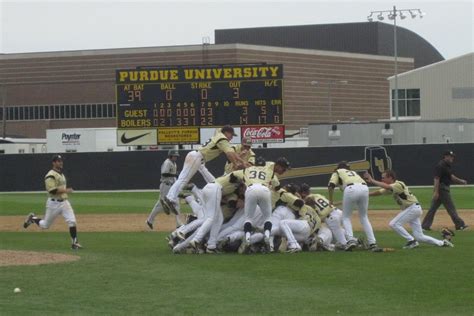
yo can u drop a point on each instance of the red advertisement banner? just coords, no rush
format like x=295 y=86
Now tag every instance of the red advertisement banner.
x=264 y=134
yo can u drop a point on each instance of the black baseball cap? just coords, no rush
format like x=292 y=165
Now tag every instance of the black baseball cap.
x=449 y=153
x=282 y=161
x=57 y=158
x=228 y=129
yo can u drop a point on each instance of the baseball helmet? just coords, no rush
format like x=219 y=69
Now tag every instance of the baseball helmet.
x=282 y=161
x=260 y=161
x=228 y=129
x=304 y=188
x=57 y=158
x=292 y=188
x=173 y=152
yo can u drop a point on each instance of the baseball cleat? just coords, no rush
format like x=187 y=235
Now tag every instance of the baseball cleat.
x=329 y=247
x=244 y=247
x=149 y=224
x=29 y=220
x=447 y=243
x=171 y=206
x=462 y=227
x=293 y=250
x=76 y=246
x=351 y=244
x=165 y=206
x=375 y=248
x=197 y=247
x=268 y=247
x=212 y=251
x=411 y=244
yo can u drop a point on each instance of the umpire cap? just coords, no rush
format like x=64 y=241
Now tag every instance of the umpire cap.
x=228 y=129
x=282 y=161
x=57 y=158
x=449 y=153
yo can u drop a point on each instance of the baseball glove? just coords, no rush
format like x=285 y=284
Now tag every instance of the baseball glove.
x=447 y=233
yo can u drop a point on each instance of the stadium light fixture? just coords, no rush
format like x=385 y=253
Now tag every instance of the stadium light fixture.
x=392 y=15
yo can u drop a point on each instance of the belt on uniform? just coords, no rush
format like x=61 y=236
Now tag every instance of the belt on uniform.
x=57 y=200
x=349 y=184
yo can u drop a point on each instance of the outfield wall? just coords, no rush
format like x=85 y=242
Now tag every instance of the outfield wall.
x=141 y=170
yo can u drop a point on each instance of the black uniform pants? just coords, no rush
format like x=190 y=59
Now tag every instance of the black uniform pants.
x=445 y=199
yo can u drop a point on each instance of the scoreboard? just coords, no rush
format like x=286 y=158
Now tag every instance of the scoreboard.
x=177 y=100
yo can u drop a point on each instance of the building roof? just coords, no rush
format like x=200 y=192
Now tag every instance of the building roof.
x=375 y=38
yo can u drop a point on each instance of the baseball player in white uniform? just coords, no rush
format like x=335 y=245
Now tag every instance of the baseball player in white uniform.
x=57 y=203
x=169 y=173
x=329 y=214
x=299 y=230
x=213 y=194
x=195 y=161
x=355 y=193
x=244 y=150
x=411 y=210
x=260 y=180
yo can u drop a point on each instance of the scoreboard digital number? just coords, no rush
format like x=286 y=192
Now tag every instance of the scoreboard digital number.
x=199 y=96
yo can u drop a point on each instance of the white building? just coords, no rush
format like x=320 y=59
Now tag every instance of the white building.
x=440 y=91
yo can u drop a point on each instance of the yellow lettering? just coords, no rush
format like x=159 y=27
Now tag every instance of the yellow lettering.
x=199 y=74
x=174 y=74
x=167 y=86
x=247 y=72
x=123 y=75
x=227 y=73
x=133 y=75
x=144 y=75
x=274 y=71
x=217 y=72
x=135 y=113
x=154 y=75
x=188 y=74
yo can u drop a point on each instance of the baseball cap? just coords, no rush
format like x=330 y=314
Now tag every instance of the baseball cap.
x=228 y=129
x=305 y=188
x=449 y=153
x=282 y=161
x=57 y=158
x=173 y=152
x=246 y=141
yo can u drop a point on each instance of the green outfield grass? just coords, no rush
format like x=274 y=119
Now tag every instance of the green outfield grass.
x=135 y=273
x=142 y=202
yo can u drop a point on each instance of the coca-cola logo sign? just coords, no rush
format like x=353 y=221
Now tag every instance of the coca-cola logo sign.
x=264 y=134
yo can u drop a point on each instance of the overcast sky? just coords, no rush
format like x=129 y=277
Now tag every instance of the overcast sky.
x=37 y=26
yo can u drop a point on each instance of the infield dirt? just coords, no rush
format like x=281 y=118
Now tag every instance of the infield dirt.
x=136 y=222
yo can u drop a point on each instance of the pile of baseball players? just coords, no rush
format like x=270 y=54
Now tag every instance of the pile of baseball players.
x=248 y=211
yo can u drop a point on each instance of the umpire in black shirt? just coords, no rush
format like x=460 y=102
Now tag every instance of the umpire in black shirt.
x=443 y=177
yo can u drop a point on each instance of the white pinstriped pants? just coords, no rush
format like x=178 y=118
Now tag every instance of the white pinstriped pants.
x=193 y=163
x=412 y=215
x=357 y=195
x=53 y=209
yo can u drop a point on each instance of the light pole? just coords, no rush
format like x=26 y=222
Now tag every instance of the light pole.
x=392 y=15
x=330 y=84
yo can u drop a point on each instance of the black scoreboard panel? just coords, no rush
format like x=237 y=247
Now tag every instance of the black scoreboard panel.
x=199 y=96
